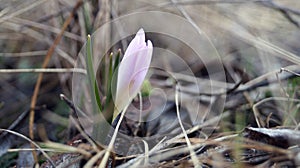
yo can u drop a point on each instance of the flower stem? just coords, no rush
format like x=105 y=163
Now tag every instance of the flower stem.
x=112 y=141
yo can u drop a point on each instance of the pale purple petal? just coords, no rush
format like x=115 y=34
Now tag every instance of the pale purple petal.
x=133 y=69
x=141 y=68
x=144 y=58
x=137 y=43
x=126 y=69
x=137 y=81
x=141 y=36
x=130 y=56
x=130 y=59
x=139 y=74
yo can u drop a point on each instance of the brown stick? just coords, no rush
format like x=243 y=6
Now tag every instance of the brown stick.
x=40 y=77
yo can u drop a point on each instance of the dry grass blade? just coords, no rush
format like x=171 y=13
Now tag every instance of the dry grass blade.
x=140 y=158
x=94 y=159
x=44 y=70
x=162 y=144
x=48 y=28
x=66 y=148
x=77 y=124
x=15 y=123
x=143 y=158
x=272 y=47
x=24 y=54
x=146 y=160
x=29 y=149
x=265 y=76
x=257 y=114
x=35 y=35
x=32 y=142
x=192 y=152
x=289 y=71
x=32 y=5
x=95 y=147
x=40 y=76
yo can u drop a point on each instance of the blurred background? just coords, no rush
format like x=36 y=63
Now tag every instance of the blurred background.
x=253 y=39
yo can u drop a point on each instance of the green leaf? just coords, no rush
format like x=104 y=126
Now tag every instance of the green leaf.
x=87 y=17
x=117 y=60
x=96 y=100
x=112 y=75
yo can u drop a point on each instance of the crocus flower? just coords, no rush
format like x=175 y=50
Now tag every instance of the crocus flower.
x=133 y=69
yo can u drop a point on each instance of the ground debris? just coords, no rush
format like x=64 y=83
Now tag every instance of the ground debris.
x=283 y=138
